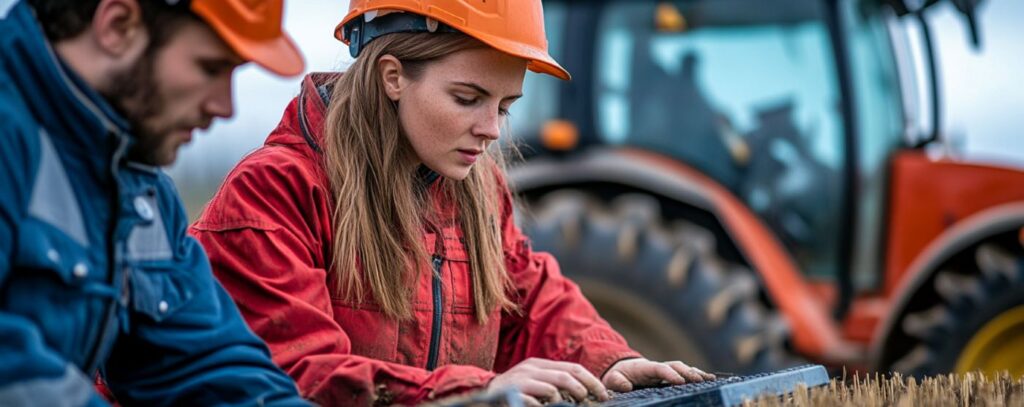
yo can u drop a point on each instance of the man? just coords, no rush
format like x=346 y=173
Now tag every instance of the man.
x=96 y=271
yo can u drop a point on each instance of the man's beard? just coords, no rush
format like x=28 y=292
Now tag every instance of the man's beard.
x=135 y=95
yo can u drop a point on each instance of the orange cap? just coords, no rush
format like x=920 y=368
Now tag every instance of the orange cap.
x=253 y=29
x=515 y=27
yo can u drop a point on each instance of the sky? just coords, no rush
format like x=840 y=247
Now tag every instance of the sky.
x=983 y=91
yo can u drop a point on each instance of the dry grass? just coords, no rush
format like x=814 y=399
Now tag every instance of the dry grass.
x=972 y=389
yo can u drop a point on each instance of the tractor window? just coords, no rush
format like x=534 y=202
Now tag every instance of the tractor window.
x=742 y=90
x=880 y=126
x=540 y=92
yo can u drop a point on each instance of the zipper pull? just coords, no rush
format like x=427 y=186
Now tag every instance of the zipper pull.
x=436 y=260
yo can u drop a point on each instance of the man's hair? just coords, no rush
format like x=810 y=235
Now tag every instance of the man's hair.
x=64 y=19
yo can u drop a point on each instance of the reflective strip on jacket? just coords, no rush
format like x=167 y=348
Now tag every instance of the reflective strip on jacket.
x=96 y=269
x=268 y=233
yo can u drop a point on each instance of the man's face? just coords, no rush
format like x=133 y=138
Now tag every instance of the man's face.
x=174 y=89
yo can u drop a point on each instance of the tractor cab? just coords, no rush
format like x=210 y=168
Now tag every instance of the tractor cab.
x=743 y=184
x=794 y=106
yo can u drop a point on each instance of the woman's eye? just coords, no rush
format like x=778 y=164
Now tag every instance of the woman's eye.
x=503 y=112
x=465 y=102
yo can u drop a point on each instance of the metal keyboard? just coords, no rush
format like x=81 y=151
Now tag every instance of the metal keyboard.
x=724 y=392
x=730 y=391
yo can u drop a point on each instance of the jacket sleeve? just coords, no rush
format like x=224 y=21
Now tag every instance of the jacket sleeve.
x=554 y=320
x=269 y=251
x=30 y=371
x=199 y=354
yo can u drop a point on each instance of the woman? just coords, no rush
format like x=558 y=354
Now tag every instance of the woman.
x=371 y=243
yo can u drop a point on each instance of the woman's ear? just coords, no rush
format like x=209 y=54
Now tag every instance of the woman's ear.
x=391 y=75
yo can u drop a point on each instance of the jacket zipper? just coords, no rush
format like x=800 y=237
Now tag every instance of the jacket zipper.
x=92 y=362
x=435 y=334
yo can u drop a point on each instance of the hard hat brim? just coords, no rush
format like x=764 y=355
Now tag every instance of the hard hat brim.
x=537 y=60
x=277 y=54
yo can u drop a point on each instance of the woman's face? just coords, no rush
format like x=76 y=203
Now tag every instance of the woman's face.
x=456 y=107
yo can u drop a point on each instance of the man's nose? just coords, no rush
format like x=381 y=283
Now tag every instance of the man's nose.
x=220 y=102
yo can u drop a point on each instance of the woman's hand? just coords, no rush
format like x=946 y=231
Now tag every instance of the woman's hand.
x=626 y=374
x=543 y=380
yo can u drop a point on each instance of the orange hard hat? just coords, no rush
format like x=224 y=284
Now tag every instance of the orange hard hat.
x=515 y=27
x=253 y=29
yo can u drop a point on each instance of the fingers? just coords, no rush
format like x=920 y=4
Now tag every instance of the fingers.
x=616 y=381
x=643 y=372
x=706 y=375
x=563 y=380
x=580 y=375
x=539 y=390
x=691 y=374
x=662 y=372
x=548 y=381
x=531 y=401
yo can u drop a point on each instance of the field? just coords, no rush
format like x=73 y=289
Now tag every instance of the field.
x=971 y=389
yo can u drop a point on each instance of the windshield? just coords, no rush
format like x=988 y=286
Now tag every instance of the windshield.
x=880 y=121
x=743 y=90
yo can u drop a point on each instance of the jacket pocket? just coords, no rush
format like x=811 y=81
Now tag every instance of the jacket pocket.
x=53 y=284
x=159 y=293
x=457 y=272
x=49 y=253
x=469 y=342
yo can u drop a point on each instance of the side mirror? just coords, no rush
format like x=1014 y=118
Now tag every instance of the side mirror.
x=967 y=8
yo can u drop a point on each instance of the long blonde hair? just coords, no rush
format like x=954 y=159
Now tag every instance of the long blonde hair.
x=378 y=201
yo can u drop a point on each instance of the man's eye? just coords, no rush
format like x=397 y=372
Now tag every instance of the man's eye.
x=212 y=69
x=209 y=70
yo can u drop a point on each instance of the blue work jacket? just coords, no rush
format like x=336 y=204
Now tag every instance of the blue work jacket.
x=97 y=273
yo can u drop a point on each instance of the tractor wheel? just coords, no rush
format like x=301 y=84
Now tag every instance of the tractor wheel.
x=978 y=322
x=665 y=289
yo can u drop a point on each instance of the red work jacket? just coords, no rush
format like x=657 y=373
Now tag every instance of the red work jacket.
x=268 y=233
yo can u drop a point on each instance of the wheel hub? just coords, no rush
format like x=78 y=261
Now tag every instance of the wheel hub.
x=997 y=346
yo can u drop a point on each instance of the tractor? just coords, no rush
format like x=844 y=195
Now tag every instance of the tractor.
x=747 y=184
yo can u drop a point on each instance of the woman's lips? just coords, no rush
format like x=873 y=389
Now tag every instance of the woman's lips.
x=469 y=156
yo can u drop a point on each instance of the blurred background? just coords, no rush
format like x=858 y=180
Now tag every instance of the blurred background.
x=749 y=184
x=984 y=95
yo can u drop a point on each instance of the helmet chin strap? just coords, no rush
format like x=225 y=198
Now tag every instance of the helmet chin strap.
x=361 y=31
